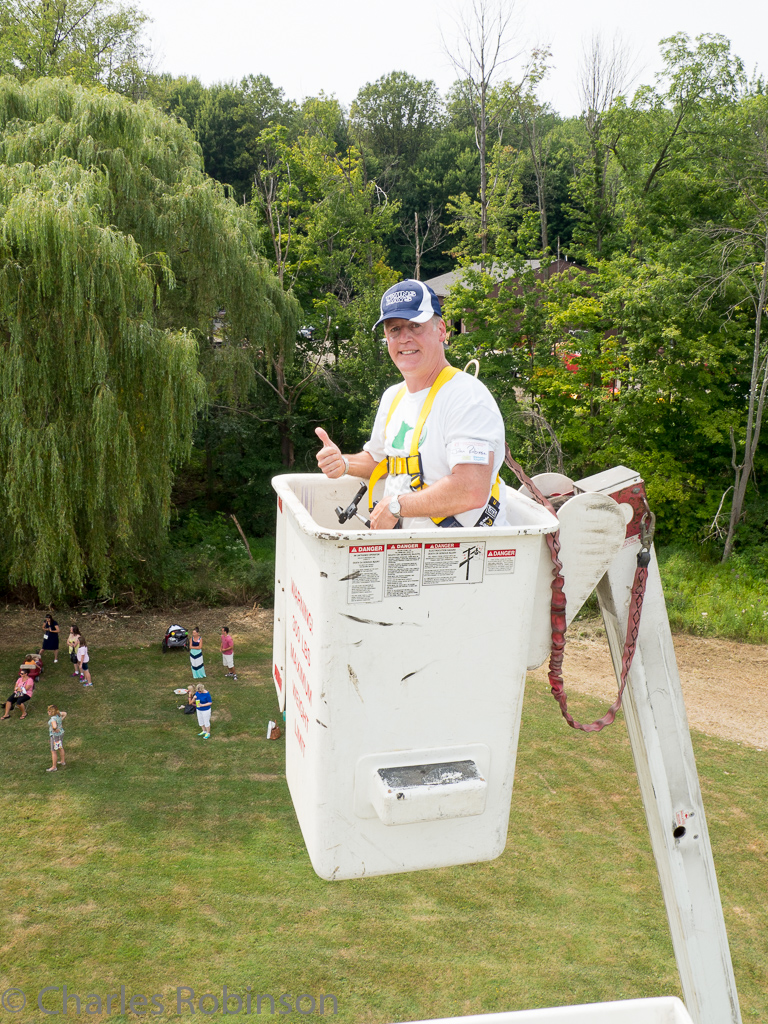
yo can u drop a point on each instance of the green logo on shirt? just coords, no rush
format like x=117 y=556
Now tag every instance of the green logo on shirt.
x=399 y=440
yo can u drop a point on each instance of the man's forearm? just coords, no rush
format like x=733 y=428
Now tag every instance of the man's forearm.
x=465 y=488
x=362 y=464
x=448 y=496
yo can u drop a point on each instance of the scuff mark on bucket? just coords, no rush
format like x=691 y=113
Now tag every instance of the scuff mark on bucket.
x=355 y=682
x=366 y=622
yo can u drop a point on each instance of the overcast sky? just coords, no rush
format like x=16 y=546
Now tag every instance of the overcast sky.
x=306 y=46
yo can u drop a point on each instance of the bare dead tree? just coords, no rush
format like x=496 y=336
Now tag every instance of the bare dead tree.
x=533 y=116
x=244 y=539
x=266 y=182
x=426 y=234
x=716 y=530
x=485 y=32
x=606 y=71
x=546 y=450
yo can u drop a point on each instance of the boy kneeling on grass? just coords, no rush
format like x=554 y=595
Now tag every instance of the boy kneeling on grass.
x=56 y=733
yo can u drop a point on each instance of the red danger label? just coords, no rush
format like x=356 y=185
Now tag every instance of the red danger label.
x=441 y=546
x=502 y=553
x=361 y=549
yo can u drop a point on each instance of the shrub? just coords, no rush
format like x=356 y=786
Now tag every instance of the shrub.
x=710 y=599
x=203 y=561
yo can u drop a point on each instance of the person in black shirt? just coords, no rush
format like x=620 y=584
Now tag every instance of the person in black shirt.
x=51 y=637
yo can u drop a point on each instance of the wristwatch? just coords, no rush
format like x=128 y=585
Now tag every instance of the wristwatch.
x=394 y=508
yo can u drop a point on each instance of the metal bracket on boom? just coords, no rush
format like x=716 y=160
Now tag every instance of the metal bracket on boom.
x=350 y=512
x=647 y=529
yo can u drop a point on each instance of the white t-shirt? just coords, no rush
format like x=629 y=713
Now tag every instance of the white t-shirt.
x=464 y=425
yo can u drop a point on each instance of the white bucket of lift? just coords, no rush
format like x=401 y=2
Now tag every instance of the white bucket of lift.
x=400 y=660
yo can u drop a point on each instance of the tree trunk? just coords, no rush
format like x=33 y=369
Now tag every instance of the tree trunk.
x=741 y=478
x=417 y=271
x=286 y=444
x=757 y=393
x=284 y=424
x=542 y=213
x=208 y=466
x=482 y=131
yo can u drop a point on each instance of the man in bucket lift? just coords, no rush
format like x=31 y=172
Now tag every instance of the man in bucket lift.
x=439 y=437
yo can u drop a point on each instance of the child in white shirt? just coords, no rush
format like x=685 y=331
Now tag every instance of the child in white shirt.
x=82 y=662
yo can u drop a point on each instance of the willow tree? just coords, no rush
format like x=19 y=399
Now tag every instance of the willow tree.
x=116 y=251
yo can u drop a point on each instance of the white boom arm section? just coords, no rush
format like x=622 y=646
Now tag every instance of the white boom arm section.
x=661 y=746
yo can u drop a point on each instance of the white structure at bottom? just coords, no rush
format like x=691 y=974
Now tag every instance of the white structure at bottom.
x=665 y=1010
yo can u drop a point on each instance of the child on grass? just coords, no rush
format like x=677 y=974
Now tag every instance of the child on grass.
x=191 y=706
x=34 y=663
x=56 y=734
x=82 y=663
x=73 y=642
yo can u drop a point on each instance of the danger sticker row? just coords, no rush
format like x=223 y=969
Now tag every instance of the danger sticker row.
x=401 y=570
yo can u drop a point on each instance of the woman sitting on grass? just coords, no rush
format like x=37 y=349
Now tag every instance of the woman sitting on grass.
x=22 y=691
x=191 y=706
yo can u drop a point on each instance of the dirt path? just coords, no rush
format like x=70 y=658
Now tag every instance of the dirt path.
x=725 y=684
x=22 y=628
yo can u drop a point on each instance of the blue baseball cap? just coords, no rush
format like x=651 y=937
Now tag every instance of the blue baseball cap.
x=409 y=300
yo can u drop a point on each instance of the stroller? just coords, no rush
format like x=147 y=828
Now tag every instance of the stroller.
x=176 y=636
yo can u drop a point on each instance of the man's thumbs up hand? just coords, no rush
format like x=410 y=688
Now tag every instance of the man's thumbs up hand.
x=329 y=458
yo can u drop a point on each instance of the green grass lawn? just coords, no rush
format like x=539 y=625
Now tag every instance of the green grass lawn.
x=157 y=860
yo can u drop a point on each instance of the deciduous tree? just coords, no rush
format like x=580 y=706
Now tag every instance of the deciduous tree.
x=396 y=118
x=115 y=252
x=226 y=118
x=87 y=40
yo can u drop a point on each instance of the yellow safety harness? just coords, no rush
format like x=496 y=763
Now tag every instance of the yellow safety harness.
x=410 y=465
